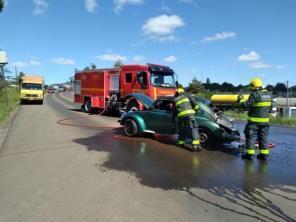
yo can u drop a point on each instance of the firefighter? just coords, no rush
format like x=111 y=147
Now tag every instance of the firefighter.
x=187 y=125
x=259 y=107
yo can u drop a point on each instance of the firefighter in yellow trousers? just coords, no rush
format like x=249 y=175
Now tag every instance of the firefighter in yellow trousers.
x=259 y=107
x=187 y=125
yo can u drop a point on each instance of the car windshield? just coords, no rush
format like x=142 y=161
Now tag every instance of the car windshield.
x=145 y=100
x=34 y=86
x=163 y=79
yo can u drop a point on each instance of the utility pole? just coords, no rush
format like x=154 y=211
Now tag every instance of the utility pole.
x=16 y=75
x=287 y=104
x=4 y=84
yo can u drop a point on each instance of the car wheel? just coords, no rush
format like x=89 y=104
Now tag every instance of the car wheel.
x=130 y=127
x=132 y=105
x=206 y=137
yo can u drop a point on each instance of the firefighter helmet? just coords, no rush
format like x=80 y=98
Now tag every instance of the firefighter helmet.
x=256 y=83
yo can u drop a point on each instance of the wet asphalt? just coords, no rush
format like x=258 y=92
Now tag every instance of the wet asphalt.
x=216 y=178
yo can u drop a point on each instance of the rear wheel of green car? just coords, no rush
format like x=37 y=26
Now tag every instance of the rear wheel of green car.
x=130 y=127
x=206 y=137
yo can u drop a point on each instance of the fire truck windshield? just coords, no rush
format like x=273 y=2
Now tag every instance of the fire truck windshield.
x=163 y=79
x=33 y=86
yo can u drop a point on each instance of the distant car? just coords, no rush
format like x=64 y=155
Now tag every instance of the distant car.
x=61 y=89
x=157 y=116
x=50 y=90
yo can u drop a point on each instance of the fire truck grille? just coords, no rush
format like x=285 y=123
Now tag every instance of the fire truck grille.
x=31 y=95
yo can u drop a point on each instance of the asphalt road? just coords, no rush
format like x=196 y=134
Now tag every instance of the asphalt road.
x=83 y=169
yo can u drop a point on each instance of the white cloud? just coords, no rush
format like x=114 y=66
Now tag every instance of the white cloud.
x=251 y=56
x=219 y=36
x=119 y=4
x=171 y=59
x=21 y=64
x=40 y=6
x=162 y=27
x=90 y=5
x=165 y=8
x=280 y=67
x=258 y=65
x=63 y=61
x=138 y=58
x=192 y=2
x=111 y=57
x=33 y=62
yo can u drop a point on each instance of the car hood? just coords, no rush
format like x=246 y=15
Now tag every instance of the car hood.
x=225 y=121
x=145 y=100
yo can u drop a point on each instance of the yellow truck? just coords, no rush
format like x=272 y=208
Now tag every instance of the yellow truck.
x=32 y=89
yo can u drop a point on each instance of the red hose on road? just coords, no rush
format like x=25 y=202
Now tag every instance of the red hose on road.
x=270 y=145
x=116 y=137
x=62 y=122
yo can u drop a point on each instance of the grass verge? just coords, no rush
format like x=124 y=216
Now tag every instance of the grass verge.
x=285 y=121
x=8 y=103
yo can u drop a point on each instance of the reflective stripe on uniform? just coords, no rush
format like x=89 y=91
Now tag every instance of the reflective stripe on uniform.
x=250 y=151
x=195 y=142
x=181 y=142
x=196 y=107
x=185 y=112
x=262 y=104
x=264 y=152
x=258 y=119
x=182 y=101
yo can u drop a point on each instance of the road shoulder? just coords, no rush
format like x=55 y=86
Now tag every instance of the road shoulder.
x=5 y=126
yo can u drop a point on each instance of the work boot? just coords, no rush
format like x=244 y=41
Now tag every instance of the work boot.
x=246 y=156
x=181 y=143
x=262 y=157
x=196 y=148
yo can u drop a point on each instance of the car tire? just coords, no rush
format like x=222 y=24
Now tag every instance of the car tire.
x=130 y=128
x=41 y=102
x=206 y=137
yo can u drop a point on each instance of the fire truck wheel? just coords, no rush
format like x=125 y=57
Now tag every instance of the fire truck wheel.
x=132 y=105
x=130 y=127
x=87 y=106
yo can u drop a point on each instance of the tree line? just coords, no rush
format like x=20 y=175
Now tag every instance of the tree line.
x=208 y=88
x=1 y=5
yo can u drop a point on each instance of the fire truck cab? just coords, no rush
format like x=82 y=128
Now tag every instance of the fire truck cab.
x=111 y=88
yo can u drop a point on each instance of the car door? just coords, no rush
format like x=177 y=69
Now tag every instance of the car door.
x=160 y=119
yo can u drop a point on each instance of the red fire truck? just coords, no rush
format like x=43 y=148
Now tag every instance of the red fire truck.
x=111 y=88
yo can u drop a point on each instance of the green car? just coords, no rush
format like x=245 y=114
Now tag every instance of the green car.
x=157 y=117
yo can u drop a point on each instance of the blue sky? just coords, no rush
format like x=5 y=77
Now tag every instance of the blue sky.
x=230 y=40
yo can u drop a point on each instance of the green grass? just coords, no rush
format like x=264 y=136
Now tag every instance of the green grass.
x=286 y=121
x=9 y=103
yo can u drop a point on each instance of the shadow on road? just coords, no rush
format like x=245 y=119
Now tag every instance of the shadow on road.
x=244 y=184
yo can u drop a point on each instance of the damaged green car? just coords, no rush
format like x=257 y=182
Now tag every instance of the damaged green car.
x=157 y=117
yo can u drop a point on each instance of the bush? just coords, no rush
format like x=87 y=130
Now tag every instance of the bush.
x=286 y=121
x=9 y=100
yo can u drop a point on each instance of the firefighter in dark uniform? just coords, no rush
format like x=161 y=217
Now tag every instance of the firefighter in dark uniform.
x=187 y=125
x=259 y=107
